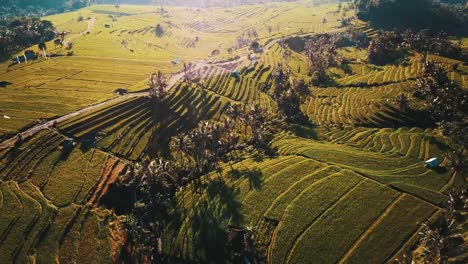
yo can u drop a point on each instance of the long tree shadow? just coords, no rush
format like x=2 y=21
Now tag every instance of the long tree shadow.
x=254 y=176
x=212 y=215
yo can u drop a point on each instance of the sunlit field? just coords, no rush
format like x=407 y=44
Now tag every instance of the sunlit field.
x=343 y=179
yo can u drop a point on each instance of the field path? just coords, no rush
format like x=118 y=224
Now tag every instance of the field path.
x=87 y=31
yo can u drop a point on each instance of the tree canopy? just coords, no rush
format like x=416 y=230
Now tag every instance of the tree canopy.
x=415 y=14
x=22 y=32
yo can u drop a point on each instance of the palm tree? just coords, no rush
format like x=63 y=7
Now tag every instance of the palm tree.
x=235 y=112
x=43 y=47
x=402 y=102
x=458 y=163
x=181 y=145
x=188 y=72
x=158 y=86
x=433 y=240
x=457 y=204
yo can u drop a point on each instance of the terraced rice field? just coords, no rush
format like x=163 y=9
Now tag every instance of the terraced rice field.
x=414 y=142
x=403 y=172
x=59 y=86
x=129 y=128
x=46 y=196
x=355 y=192
x=368 y=106
x=121 y=56
x=303 y=209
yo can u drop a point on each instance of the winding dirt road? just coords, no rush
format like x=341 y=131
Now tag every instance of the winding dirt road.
x=87 y=31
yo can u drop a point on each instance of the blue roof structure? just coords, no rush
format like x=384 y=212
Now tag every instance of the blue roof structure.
x=433 y=163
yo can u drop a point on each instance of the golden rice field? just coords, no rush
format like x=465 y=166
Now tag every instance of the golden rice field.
x=354 y=189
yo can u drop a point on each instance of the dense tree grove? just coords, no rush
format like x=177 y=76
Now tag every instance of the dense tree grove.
x=40 y=7
x=152 y=184
x=415 y=14
x=387 y=46
x=20 y=26
x=446 y=102
x=322 y=53
x=290 y=94
x=23 y=32
x=381 y=48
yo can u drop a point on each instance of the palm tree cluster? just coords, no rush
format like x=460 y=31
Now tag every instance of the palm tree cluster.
x=446 y=101
x=190 y=73
x=459 y=163
x=153 y=184
x=435 y=43
x=195 y=153
x=290 y=93
x=353 y=37
x=322 y=53
x=443 y=238
x=158 y=86
x=263 y=125
x=402 y=102
x=382 y=47
x=201 y=150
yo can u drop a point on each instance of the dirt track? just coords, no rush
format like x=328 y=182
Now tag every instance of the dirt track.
x=87 y=31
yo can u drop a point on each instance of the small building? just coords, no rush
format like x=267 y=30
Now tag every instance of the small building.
x=30 y=55
x=235 y=238
x=215 y=52
x=252 y=57
x=121 y=91
x=176 y=61
x=236 y=74
x=433 y=163
x=107 y=26
x=4 y=84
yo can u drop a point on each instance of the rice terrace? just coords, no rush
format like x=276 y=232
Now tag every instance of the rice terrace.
x=254 y=131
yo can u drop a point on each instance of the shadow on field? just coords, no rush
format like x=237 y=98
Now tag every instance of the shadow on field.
x=208 y=217
x=219 y=208
x=304 y=131
x=255 y=177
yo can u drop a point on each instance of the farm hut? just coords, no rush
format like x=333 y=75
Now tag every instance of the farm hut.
x=252 y=57
x=30 y=55
x=176 y=61
x=433 y=163
x=236 y=241
x=67 y=145
x=121 y=91
x=236 y=74
x=215 y=52
x=4 y=84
